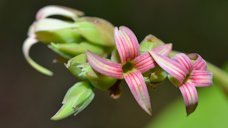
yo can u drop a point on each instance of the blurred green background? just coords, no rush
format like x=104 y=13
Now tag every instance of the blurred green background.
x=28 y=98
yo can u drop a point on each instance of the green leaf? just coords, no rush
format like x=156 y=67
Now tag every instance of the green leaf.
x=212 y=112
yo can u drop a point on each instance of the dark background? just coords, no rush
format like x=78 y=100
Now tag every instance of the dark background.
x=28 y=99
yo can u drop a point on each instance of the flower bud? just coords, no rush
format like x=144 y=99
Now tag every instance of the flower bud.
x=82 y=70
x=67 y=37
x=158 y=76
x=77 y=98
x=149 y=42
x=77 y=66
x=96 y=30
x=53 y=30
x=69 y=50
x=155 y=76
x=100 y=81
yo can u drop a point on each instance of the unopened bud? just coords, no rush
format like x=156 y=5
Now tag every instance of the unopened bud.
x=96 y=30
x=53 y=30
x=149 y=43
x=77 y=98
x=155 y=76
x=79 y=67
x=73 y=49
x=158 y=76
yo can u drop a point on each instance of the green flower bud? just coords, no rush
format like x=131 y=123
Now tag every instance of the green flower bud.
x=67 y=37
x=77 y=66
x=149 y=42
x=58 y=36
x=82 y=70
x=53 y=30
x=100 y=81
x=96 y=30
x=77 y=98
x=158 y=76
x=155 y=76
x=69 y=50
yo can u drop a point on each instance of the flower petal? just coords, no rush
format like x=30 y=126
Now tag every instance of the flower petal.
x=190 y=96
x=104 y=66
x=126 y=43
x=57 y=10
x=50 y=24
x=138 y=88
x=200 y=63
x=184 y=60
x=201 y=78
x=29 y=42
x=144 y=62
x=163 y=49
x=172 y=67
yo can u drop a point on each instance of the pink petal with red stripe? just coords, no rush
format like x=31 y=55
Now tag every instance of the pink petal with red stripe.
x=144 y=62
x=200 y=63
x=172 y=67
x=201 y=78
x=104 y=66
x=163 y=49
x=126 y=43
x=190 y=96
x=184 y=60
x=138 y=88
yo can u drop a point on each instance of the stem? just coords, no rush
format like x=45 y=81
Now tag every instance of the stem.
x=220 y=77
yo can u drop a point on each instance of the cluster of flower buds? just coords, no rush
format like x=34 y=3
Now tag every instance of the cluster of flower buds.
x=100 y=56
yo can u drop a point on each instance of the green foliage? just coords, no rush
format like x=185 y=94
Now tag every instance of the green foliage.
x=212 y=112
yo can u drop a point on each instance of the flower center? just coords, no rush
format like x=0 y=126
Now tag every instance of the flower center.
x=179 y=83
x=186 y=78
x=127 y=67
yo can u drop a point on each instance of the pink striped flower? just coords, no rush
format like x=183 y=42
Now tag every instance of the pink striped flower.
x=187 y=73
x=132 y=64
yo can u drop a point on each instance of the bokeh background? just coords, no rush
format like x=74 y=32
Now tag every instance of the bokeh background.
x=28 y=98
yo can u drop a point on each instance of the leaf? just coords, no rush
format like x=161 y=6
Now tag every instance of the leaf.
x=212 y=112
